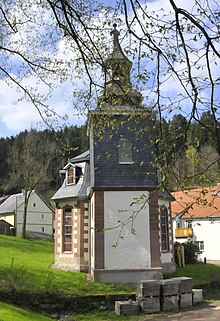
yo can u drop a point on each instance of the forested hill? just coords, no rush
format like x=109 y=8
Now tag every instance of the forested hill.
x=187 y=154
x=34 y=153
x=189 y=151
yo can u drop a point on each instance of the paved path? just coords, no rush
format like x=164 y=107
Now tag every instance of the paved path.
x=210 y=313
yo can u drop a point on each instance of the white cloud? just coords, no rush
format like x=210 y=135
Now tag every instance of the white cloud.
x=18 y=115
x=14 y=114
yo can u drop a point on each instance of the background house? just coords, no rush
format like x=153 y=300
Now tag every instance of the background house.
x=115 y=182
x=196 y=218
x=39 y=213
x=6 y=228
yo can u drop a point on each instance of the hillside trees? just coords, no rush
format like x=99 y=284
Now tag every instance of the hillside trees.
x=29 y=167
x=193 y=160
x=67 y=143
x=34 y=159
x=175 y=50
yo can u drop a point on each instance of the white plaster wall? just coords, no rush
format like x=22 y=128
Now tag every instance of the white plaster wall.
x=133 y=251
x=35 y=228
x=34 y=213
x=208 y=231
x=34 y=221
x=205 y=230
x=166 y=257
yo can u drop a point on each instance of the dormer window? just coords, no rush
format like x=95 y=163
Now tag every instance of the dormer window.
x=73 y=175
x=70 y=176
x=124 y=151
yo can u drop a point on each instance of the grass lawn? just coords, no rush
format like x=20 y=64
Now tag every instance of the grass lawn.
x=11 y=313
x=200 y=273
x=25 y=265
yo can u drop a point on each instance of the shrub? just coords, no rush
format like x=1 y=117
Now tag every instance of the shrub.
x=191 y=252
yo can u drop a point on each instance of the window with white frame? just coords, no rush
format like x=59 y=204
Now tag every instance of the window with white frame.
x=42 y=229
x=34 y=205
x=189 y=224
x=42 y=216
x=124 y=151
x=70 y=176
x=178 y=224
x=200 y=245
x=73 y=175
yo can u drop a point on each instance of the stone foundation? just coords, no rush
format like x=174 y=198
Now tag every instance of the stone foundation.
x=129 y=277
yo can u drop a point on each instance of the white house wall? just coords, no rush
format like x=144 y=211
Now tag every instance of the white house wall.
x=208 y=231
x=133 y=251
x=35 y=222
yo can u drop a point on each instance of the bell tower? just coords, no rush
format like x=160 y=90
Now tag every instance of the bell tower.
x=123 y=180
x=110 y=220
x=118 y=88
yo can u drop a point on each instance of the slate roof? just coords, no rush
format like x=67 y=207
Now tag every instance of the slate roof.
x=197 y=203
x=140 y=173
x=165 y=195
x=80 y=158
x=80 y=189
x=10 y=204
x=15 y=200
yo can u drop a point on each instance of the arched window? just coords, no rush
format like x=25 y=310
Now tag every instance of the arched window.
x=164 y=227
x=67 y=229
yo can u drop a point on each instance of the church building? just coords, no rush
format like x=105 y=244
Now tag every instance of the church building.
x=110 y=219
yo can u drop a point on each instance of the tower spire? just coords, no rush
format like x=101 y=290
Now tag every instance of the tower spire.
x=117 y=67
x=117 y=51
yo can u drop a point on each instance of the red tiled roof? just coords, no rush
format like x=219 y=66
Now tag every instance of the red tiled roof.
x=200 y=202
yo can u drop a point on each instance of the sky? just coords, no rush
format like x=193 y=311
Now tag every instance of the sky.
x=17 y=114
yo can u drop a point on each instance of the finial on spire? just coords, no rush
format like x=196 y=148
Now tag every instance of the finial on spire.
x=115 y=33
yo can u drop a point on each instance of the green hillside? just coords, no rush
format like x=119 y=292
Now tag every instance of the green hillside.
x=11 y=313
x=26 y=265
